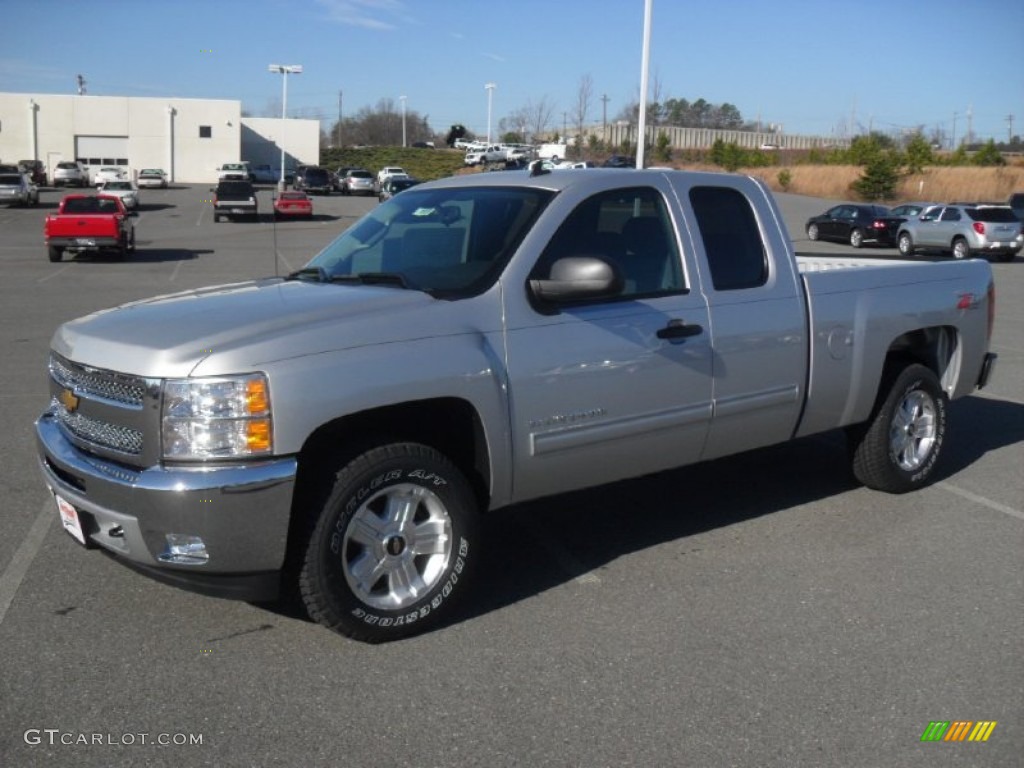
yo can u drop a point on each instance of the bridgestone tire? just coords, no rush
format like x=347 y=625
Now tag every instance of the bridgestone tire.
x=899 y=447
x=393 y=547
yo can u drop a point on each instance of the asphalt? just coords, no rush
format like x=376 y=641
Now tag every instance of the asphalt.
x=761 y=610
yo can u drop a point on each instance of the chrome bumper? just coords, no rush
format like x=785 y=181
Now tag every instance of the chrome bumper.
x=240 y=511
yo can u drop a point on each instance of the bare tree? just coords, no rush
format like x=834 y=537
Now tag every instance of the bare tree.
x=532 y=119
x=584 y=98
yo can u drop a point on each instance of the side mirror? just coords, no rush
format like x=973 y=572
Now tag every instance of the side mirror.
x=578 y=278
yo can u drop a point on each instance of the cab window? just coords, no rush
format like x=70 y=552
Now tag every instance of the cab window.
x=630 y=229
x=732 y=240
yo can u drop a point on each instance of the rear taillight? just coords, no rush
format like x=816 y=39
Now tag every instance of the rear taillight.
x=878 y=224
x=979 y=227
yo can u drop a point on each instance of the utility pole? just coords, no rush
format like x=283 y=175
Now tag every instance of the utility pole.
x=339 y=121
x=604 y=118
x=970 y=124
x=81 y=85
x=1009 y=130
x=952 y=141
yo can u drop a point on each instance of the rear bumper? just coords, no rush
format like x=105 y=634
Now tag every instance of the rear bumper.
x=240 y=512
x=83 y=241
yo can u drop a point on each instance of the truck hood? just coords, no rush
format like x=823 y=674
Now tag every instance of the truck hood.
x=244 y=326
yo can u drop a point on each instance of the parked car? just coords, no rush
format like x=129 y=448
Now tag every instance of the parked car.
x=107 y=173
x=357 y=181
x=36 y=171
x=264 y=173
x=1016 y=202
x=234 y=171
x=389 y=170
x=619 y=161
x=123 y=189
x=18 y=189
x=488 y=154
x=312 y=179
x=855 y=224
x=395 y=184
x=292 y=204
x=964 y=230
x=152 y=177
x=70 y=174
x=235 y=197
x=910 y=210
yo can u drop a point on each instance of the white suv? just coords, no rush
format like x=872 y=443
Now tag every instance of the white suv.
x=391 y=170
x=70 y=174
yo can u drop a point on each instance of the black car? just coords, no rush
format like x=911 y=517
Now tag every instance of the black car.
x=312 y=179
x=393 y=186
x=233 y=198
x=35 y=170
x=619 y=161
x=855 y=224
x=1017 y=204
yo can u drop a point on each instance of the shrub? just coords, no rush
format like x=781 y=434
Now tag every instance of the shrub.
x=879 y=179
x=785 y=179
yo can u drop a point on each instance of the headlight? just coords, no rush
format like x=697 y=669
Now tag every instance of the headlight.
x=222 y=417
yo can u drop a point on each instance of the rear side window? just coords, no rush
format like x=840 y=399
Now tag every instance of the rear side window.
x=731 y=237
x=992 y=215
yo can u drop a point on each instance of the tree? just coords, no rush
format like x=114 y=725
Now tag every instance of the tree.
x=988 y=155
x=879 y=179
x=918 y=153
x=584 y=97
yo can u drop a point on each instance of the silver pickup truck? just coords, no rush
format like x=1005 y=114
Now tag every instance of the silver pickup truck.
x=473 y=343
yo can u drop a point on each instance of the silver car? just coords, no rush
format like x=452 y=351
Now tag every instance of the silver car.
x=965 y=230
x=124 y=189
x=17 y=189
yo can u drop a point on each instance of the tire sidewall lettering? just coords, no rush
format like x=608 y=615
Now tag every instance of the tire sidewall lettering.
x=408 y=617
x=920 y=385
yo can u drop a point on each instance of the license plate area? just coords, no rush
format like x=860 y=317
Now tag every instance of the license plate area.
x=70 y=519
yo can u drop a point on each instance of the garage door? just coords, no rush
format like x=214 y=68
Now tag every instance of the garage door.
x=97 y=151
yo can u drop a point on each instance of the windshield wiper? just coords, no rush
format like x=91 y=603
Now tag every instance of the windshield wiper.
x=372 y=278
x=318 y=272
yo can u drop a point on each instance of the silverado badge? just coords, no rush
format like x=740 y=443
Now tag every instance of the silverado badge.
x=68 y=400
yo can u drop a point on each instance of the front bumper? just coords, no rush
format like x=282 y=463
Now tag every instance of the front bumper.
x=240 y=511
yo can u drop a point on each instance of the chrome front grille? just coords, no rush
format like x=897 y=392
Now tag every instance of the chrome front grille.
x=109 y=414
x=127 y=390
x=112 y=436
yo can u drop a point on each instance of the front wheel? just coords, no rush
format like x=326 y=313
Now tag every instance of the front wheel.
x=905 y=244
x=812 y=231
x=857 y=238
x=897 y=450
x=960 y=249
x=393 y=546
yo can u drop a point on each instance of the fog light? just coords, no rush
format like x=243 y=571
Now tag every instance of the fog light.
x=183 y=549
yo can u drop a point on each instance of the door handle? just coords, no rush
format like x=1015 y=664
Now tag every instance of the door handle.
x=678 y=329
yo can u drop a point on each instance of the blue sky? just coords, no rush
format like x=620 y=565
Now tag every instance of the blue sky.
x=814 y=67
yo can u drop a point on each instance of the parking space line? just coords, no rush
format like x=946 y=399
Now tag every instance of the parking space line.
x=54 y=274
x=12 y=577
x=1007 y=510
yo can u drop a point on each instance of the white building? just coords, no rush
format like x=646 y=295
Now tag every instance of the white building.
x=188 y=138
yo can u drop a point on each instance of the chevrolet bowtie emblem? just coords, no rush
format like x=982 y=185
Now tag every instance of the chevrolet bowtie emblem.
x=68 y=400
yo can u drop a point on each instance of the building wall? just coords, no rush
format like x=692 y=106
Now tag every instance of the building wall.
x=264 y=137
x=160 y=132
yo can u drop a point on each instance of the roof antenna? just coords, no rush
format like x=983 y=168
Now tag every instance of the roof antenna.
x=81 y=85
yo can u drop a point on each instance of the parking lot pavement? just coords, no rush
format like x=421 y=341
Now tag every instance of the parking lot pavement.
x=761 y=610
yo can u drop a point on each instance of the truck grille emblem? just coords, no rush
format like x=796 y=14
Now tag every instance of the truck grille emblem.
x=68 y=400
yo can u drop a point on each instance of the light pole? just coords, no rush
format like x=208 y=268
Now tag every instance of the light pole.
x=402 y=99
x=284 y=70
x=490 y=95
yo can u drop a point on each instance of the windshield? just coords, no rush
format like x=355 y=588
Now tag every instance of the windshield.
x=449 y=242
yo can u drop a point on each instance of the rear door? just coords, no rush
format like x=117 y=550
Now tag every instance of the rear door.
x=757 y=313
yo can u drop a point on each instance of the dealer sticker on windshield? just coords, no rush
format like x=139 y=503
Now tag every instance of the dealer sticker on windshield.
x=69 y=519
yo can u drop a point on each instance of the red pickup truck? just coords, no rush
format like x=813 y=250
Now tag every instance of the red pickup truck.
x=89 y=222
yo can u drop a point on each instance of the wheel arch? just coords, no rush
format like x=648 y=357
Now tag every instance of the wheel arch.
x=938 y=348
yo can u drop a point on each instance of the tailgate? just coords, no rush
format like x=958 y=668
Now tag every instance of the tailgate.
x=75 y=225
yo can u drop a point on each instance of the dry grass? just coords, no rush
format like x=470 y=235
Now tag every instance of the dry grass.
x=939 y=184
